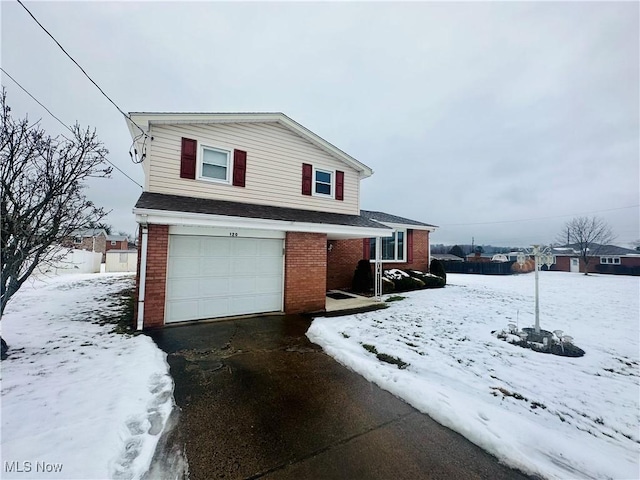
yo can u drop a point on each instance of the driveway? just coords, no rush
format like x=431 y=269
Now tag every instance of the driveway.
x=259 y=400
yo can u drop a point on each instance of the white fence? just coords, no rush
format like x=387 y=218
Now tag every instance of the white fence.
x=76 y=261
x=121 y=261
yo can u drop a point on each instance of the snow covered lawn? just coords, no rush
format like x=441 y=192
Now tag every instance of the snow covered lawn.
x=558 y=417
x=79 y=401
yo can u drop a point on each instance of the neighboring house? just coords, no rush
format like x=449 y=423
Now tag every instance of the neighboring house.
x=605 y=259
x=446 y=257
x=90 y=239
x=252 y=213
x=116 y=242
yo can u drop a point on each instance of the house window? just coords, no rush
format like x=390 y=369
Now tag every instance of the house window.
x=77 y=239
x=393 y=248
x=323 y=182
x=215 y=164
x=610 y=260
x=113 y=242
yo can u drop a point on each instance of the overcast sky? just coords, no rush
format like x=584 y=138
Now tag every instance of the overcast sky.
x=498 y=121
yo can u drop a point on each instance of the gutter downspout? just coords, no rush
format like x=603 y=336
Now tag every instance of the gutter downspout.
x=143 y=275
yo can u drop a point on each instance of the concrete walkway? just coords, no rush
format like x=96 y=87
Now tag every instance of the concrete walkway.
x=260 y=401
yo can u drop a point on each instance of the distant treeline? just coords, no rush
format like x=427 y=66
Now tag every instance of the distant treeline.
x=467 y=249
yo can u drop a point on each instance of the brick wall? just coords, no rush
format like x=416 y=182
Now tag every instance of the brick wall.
x=156 y=275
x=342 y=261
x=137 y=291
x=305 y=272
x=345 y=254
x=90 y=244
x=119 y=245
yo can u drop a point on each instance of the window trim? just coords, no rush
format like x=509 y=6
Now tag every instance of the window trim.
x=404 y=247
x=331 y=172
x=610 y=260
x=200 y=162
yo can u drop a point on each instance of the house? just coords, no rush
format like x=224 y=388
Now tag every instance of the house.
x=249 y=213
x=89 y=239
x=116 y=242
x=606 y=259
x=446 y=257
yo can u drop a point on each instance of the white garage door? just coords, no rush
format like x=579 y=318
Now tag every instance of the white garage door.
x=210 y=277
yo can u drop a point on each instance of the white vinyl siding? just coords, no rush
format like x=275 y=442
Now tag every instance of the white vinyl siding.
x=274 y=166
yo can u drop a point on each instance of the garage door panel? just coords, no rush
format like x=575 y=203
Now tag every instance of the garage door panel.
x=215 y=266
x=184 y=267
x=183 y=310
x=242 y=285
x=214 y=307
x=182 y=288
x=268 y=264
x=213 y=287
x=269 y=284
x=270 y=248
x=243 y=266
x=184 y=246
x=245 y=247
x=267 y=302
x=215 y=246
x=210 y=277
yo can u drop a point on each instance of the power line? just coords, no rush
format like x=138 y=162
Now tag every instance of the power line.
x=83 y=71
x=537 y=218
x=62 y=123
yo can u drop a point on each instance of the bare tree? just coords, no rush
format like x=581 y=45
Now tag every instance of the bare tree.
x=43 y=200
x=587 y=235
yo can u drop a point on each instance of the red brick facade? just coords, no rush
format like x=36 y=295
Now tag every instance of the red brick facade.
x=97 y=243
x=342 y=260
x=156 y=275
x=310 y=269
x=563 y=264
x=345 y=255
x=118 y=245
x=305 y=270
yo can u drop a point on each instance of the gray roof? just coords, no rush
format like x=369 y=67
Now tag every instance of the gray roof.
x=117 y=238
x=177 y=203
x=447 y=257
x=386 y=217
x=89 y=232
x=595 y=249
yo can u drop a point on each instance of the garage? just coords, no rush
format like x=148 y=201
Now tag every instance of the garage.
x=233 y=273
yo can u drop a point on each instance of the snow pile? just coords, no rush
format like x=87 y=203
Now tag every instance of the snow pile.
x=554 y=416
x=77 y=400
x=395 y=274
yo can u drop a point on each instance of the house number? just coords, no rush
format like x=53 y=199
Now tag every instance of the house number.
x=233 y=234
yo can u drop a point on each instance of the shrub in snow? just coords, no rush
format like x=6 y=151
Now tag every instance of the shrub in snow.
x=429 y=280
x=437 y=268
x=402 y=281
x=362 y=277
x=529 y=266
x=387 y=285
